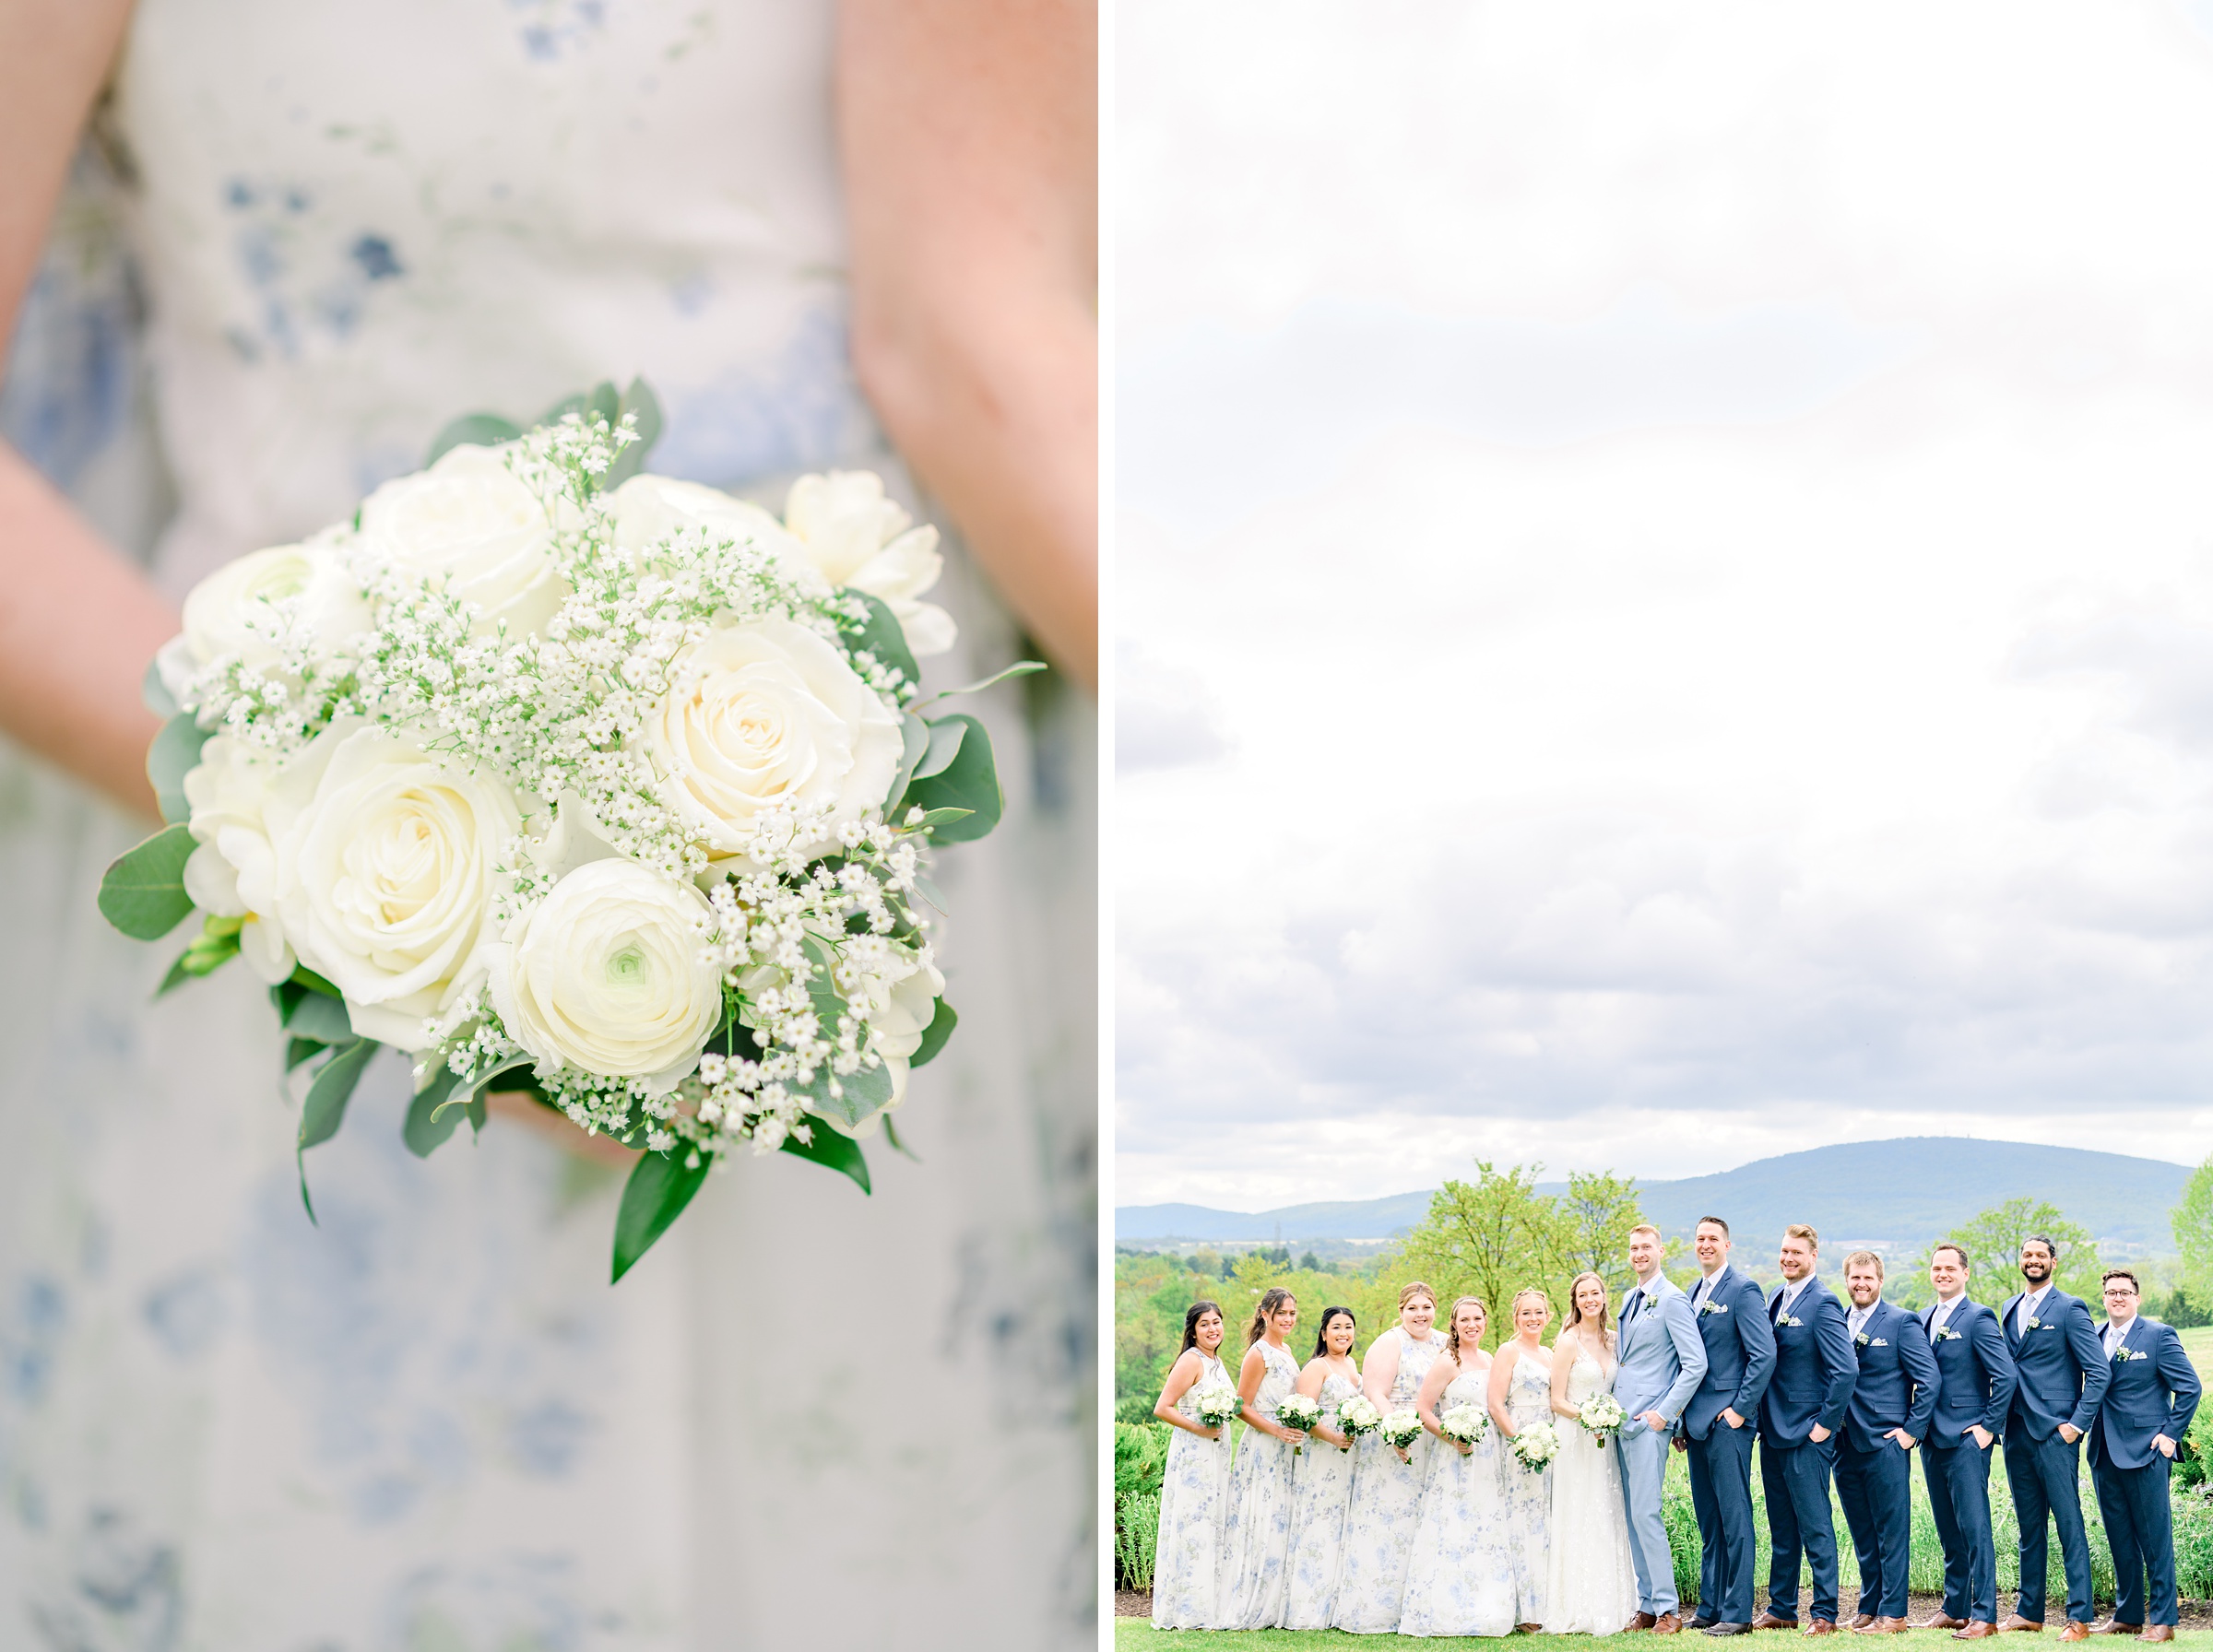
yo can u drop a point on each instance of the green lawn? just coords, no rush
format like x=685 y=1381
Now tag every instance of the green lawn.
x=1136 y=1632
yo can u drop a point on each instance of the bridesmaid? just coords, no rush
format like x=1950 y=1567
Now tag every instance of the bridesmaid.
x=1460 y=1578
x=1387 y=1481
x=1195 y=1485
x=1255 y=1533
x=1322 y=1477
x=1521 y=1396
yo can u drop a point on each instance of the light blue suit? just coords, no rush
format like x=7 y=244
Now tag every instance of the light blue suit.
x=1662 y=1361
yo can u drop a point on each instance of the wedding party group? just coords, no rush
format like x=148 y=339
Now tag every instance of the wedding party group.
x=1433 y=1489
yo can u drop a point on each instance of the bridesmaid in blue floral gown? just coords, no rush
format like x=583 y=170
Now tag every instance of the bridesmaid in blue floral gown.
x=1195 y=1483
x=1256 y=1536
x=1322 y=1477
x=1387 y=1482
x=1520 y=1396
x=1461 y=1580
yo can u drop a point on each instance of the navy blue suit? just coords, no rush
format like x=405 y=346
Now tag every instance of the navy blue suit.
x=2062 y=1377
x=1740 y=1357
x=1812 y=1384
x=1974 y=1388
x=2153 y=1390
x=1897 y=1389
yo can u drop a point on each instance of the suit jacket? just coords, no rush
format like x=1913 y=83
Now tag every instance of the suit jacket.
x=1975 y=1377
x=1814 y=1367
x=1740 y=1354
x=1662 y=1357
x=2154 y=1391
x=1897 y=1379
x=2062 y=1369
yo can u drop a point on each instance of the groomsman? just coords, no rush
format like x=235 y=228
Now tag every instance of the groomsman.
x=1891 y=1406
x=1717 y=1429
x=2148 y=1403
x=1799 y=1416
x=1974 y=1390
x=2062 y=1377
x=1662 y=1361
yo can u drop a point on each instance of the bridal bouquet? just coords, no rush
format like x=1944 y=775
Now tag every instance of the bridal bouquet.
x=1216 y=1405
x=1536 y=1445
x=1602 y=1417
x=1466 y=1423
x=1300 y=1413
x=568 y=779
x=1358 y=1416
x=1402 y=1429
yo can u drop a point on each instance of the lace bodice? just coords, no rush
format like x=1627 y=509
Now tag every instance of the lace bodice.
x=1587 y=1376
x=1282 y=1376
x=1213 y=1374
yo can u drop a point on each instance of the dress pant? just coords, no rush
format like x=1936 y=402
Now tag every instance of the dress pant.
x=2139 y=1527
x=1643 y=1478
x=2046 y=1480
x=1876 y=1488
x=1959 y=1477
x=1799 y=1526
x=1720 y=1494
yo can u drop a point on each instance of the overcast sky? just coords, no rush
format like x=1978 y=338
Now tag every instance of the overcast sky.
x=1665 y=587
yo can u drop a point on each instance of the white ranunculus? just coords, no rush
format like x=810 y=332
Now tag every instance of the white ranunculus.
x=763 y=714
x=480 y=534
x=258 y=605
x=608 y=975
x=649 y=509
x=858 y=538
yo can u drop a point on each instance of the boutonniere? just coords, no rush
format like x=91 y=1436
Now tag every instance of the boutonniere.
x=1947 y=1335
x=2035 y=1324
x=1710 y=1307
x=2130 y=1354
x=1864 y=1340
x=1782 y=1319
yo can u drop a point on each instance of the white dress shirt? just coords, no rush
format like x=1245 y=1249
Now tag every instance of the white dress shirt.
x=1857 y=1319
x=1944 y=1313
x=2031 y=1306
x=1708 y=1285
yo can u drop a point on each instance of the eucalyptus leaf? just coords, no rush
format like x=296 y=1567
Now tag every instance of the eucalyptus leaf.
x=914 y=733
x=602 y=398
x=638 y=399
x=156 y=694
x=313 y=1016
x=174 y=754
x=1019 y=669
x=859 y=1096
x=304 y=976
x=325 y=1108
x=143 y=892
x=946 y=739
x=940 y=817
x=934 y=1035
x=426 y=1129
x=969 y=781
x=891 y=1136
x=297 y=1050
x=472 y=429
x=882 y=637
x=832 y=1150
x=659 y=1190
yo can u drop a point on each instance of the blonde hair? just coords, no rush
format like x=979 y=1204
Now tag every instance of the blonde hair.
x=1860 y=1257
x=1452 y=1320
x=1575 y=1308
x=1535 y=1290
x=1412 y=1289
x=1646 y=1227
x=1798 y=1229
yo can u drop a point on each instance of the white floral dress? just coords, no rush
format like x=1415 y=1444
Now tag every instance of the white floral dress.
x=1591 y=1578
x=1255 y=1532
x=1527 y=1494
x=1321 y=1493
x=1461 y=1578
x=1194 y=1490
x=431 y=1420
x=1386 y=1508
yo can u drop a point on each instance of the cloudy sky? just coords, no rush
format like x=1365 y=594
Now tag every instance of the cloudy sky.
x=1665 y=587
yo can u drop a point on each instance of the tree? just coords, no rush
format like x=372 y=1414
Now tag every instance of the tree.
x=2193 y=1225
x=1594 y=1222
x=1489 y=1238
x=1309 y=1262
x=1992 y=1243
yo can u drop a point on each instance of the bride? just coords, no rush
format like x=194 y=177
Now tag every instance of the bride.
x=1589 y=1577
x=432 y=1418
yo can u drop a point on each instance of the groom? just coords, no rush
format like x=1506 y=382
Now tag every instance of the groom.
x=1662 y=1360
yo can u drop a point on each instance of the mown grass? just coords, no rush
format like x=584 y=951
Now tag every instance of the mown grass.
x=1137 y=1632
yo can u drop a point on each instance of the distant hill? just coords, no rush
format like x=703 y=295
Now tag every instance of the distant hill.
x=1907 y=1191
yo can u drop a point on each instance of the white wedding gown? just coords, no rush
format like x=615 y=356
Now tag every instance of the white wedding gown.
x=430 y=1421
x=1589 y=1579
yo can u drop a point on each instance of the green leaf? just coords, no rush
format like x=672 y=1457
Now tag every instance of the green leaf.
x=213 y=947
x=639 y=400
x=938 y=816
x=861 y=1095
x=178 y=975
x=143 y=893
x=916 y=734
x=472 y=429
x=891 y=1136
x=1019 y=669
x=174 y=754
x=934 y=1035
x=297 y=1050
x=156 y=694
x=325 y=1108
x=601 y=398
x=307 y=1014
x=832 y=1150
x=881 y=636
x=946 y=739
x=968 y=781
x=658 y=1191
x=314 y=983
x=426 y=1129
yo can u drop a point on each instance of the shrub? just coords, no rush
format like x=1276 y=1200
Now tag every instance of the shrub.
x=1136 y=1535
x=1141 y=1456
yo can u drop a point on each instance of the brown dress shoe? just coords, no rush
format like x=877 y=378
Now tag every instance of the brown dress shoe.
x=2072 y=1631
x=2159 y=1632
x=1885 y=1626
x=1667 y=1624
x=1861 y=1619
x=1820 y=1626
x=2115 y=1626
x=1976 y=1631
x=2018 y=1624
x=1768 y=1620
x=1942 y=1622
x=1643 y=1620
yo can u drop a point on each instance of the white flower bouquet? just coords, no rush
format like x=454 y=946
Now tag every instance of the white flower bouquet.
x=1602 y=1417
x=572 y=780
x=1402 y=1429
x=1467 y=1425
x=1536 y=1445
x=1300 y=1413
x=1214 y=1406
x=1358 y=1416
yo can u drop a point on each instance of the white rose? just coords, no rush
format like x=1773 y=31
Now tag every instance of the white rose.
x=233 y=873
x=254 y=608
x=480 y=534
x=858 y=538
x=608 y=975
x=649 y=510
x=901 y=1019
x=767 y=712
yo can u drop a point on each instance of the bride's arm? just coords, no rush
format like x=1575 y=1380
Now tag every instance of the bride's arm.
x=970 y=138
x=77 y=624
